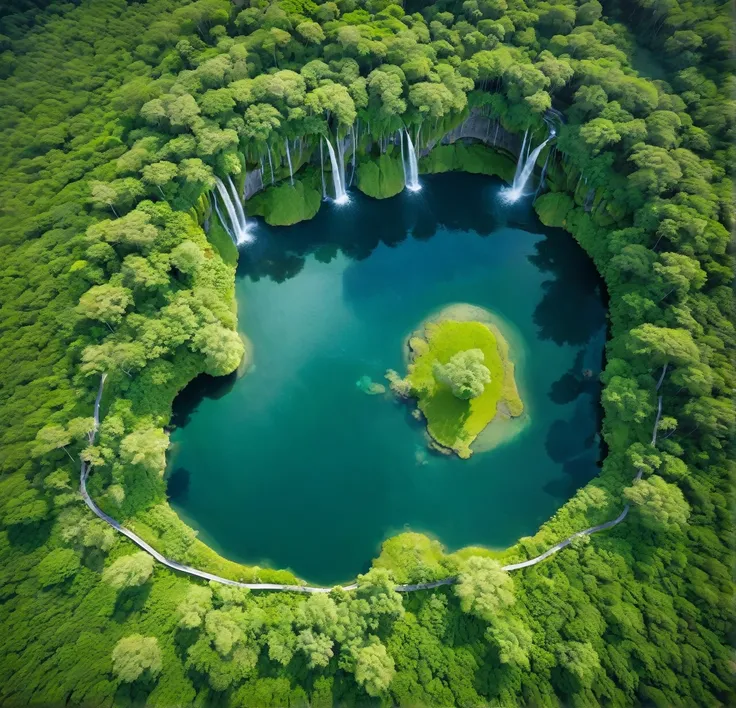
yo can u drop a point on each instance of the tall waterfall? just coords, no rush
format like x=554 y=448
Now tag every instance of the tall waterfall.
x=322 y=168
x=341 y=196
x=288 y=157
x=341 y=161
x=236 y=215
x=524 y=169
x=355 y=154
x=412 y=183
x=270 y=162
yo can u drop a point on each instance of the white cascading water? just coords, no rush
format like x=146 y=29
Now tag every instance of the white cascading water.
x=288 y=157
x=412 y=183
x=341 y=196
x=355 y=154
x=403 y=159
x=524 y=170
x=270 y=162
x=236 y=215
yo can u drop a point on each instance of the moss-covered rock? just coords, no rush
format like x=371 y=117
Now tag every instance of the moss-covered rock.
x=221 y=241
x=475 y=158
x=284 y=204
x=381 y=178
x=553 y=208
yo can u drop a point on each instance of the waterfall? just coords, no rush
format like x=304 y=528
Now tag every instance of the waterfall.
x=236 y=214
x=340 y=195
x=288 y=157
x=322 y=167
x=341 y=160
x=270 y=162
x=403 y=159
x=520 y=161
x=412 y=183
x=355 y=153
x=524 y=169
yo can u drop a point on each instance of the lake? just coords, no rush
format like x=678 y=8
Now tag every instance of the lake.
x=293 y=466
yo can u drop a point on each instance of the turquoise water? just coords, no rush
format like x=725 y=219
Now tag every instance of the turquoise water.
x=293 y=466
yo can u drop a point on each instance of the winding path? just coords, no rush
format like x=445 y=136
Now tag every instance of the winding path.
x=174 y=565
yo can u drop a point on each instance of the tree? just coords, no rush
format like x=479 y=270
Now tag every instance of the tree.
x=657 y=173
x=104 y=194
x=484 y=588
x=187 y=257
x=464 y=373
x=55 y=436
x=374 y=667
x=160 y=174
x=311 y=32
x=580 y=660
x=197 y=172
x=134 y=230
x=664 y=345
x=378 y=598
x=317 y=648
x=129 y=571
x=57 y=566
x=630 y=403
x=588 y=13
x=194 y=608
x=223 y=349
x=106 y=303
x=661 y=504
x=513 y=639
x=145 y=447
x=134 y=656
x=332 y=99
x=260 y=120
x=599 y=133
x=140 y=272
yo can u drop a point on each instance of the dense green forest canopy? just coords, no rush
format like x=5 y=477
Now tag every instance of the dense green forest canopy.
x=116 y=117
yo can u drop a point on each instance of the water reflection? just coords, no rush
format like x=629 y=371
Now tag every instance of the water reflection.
x=571 y=310
x=203 y=387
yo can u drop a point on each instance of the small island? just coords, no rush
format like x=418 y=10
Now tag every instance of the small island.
x=460 y=371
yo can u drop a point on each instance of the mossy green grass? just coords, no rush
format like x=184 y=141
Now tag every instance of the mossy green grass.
x=284 y=204
x=454 y=423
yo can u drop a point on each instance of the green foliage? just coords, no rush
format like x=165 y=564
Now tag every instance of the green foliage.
x=553 y=208
x=107 y=104
x=661 y=504
x=129 y=571
x=59 y=565
x=135 y=655
x=484 y=588
x=380 y=178
x=464 y=373
x=284 y=204
x=459 y=397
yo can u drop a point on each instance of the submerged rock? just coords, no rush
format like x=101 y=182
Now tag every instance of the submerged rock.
x=367 y=385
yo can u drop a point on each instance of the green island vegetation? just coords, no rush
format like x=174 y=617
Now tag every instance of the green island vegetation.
x=116 y=117
x=463 y=376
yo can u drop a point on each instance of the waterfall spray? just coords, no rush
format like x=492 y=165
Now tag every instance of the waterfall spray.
x=288 y=157
x=340 y=195
x=236 y=215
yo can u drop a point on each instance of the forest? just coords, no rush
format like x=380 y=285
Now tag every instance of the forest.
x=119 y=118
